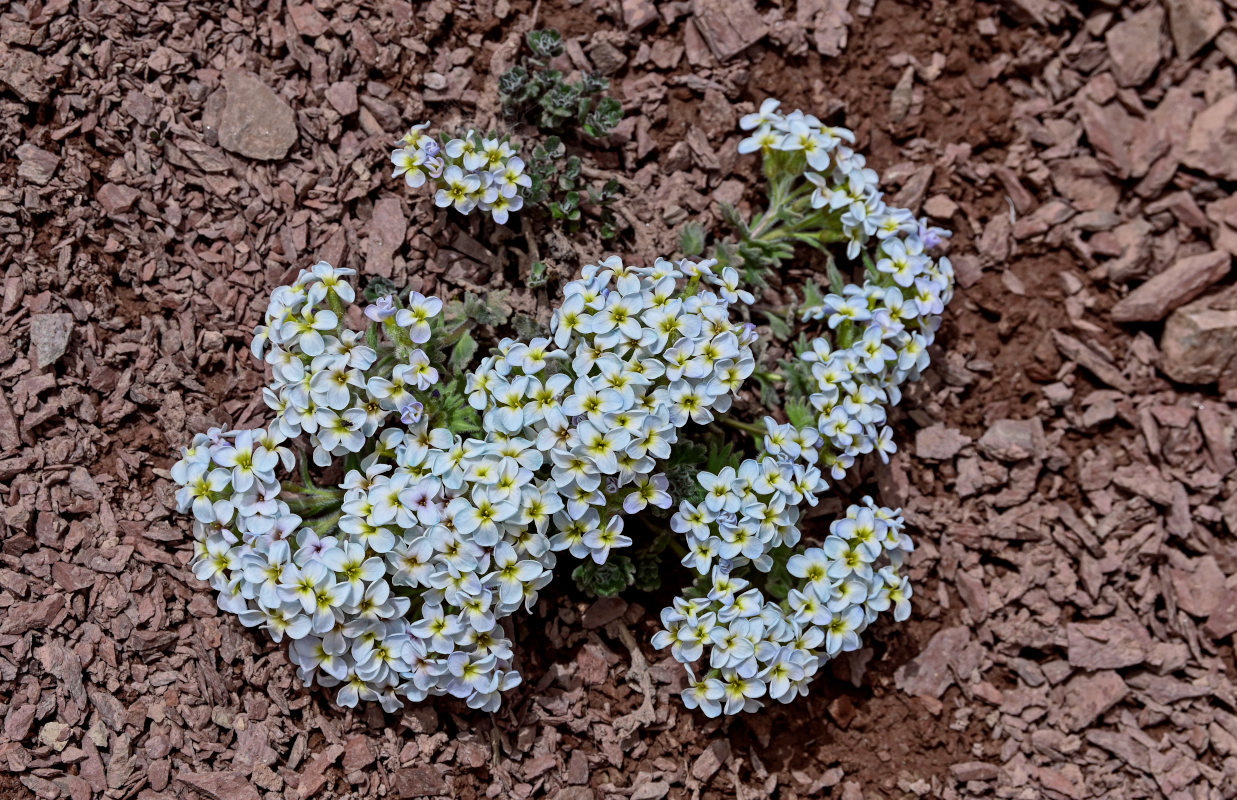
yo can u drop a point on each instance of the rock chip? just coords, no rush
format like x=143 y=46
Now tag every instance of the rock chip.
x=638 y=14
x=342 y=97
x=1198 y=590
x=1108 y=644
x=1089 y=696
x=1223 y=621
x=711 y=760
x=603 y=612
x=25 y=73
x=386 y=234
x=255 y=122
x=37 y=165
x=1212 y=143
x=931 y=672
x=607 y=58
x=975 y=771
x=939 y=443
x=1193 y=23
x=1014 y=440
x=1199 y=344
x=1134 y=46
x=220 y=785
x=116 y=198
x=49 y=336
x=728 y=26
x=1172 y=288
x=307 y=20
x=419 y=782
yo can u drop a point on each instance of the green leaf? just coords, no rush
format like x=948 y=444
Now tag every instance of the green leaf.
x=800 y=413
x=378 y=286
x=462 y=353
x=691 y=239
x=778 y=326
x=537 y=275
x=545 y=42
x=527 y=328
x=605 y=580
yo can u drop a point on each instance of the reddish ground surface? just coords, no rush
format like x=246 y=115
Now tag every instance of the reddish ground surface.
x=1074 y=508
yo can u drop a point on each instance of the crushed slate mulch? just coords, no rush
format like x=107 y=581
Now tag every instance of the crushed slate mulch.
x=1067 y=465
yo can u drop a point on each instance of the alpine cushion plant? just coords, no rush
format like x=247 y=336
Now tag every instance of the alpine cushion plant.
x=458 y=490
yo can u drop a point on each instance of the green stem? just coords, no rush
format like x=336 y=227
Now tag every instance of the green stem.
x=752 y=428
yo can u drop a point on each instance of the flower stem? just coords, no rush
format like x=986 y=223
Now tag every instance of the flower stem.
x=752 y=428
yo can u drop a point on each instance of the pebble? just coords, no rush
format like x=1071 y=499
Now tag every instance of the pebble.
x=255 y=122
x=1200 y=339
x=1193 y=23
x=49 y=337
x=1211 y=145
x=1133 y=46
x=1174 y=287
x=116 y=198
x=37 y=165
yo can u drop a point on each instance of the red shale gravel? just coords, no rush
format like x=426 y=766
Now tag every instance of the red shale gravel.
x=1067 y=466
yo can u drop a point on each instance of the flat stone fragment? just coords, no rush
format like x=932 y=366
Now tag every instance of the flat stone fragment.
x=1223 y=621
x=1193 y=23
x=386 y=234
x=1199 y=344
x=342 y=97
x=975 y=771
x=1014 y=440
x=1134 y=46
x=1211 y=145
x=49 y=336
x=728 y=26
x=1198 y=590
x=930 y=672
x=307 y=20
x=1089 y=696
x=711 y=760
x=1109 y=644
x=25 y=74
x=939 y=443
x=1174 y=287
x=220 y=785
x=116 y=198
x=255 y=122
x=638 y=14
x=419 y=782
x=37 y=165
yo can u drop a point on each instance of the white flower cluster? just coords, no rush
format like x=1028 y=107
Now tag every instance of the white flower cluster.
x=756 y=646
x=472 y=172
x=395 y=592
x=882 y=328
x=759 y=647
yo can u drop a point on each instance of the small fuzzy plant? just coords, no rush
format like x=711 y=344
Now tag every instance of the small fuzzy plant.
x=404 y=500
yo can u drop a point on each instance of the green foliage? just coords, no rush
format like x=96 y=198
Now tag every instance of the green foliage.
x=489 y=310
x=447 y=407
x=527 y=328
x=691 y=239
x=800 y=413
x=605 y=580
x=597 y=120
x=378 y=286
x=778 y=326
x=619 y=573
x=546 y=43
x=778 y=582
x=538 y=274
x=534 y=91
x=462 y=353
